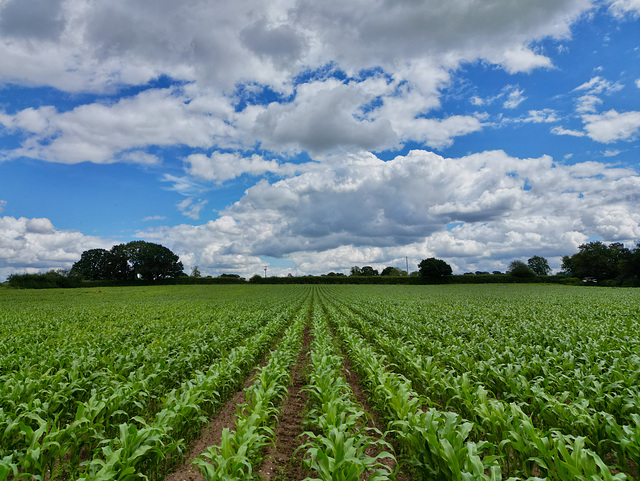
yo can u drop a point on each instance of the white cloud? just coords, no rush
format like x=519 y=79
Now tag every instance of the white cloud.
x=514 y=98
x=523 y=59
x=35 y=244
x=611 y=152
x=620 y=8
x=154 y=217
x=638 y=83
x=563 y=131
x=596 y=86
x=357 y=209
x=221 y=167
x=540 y=116
x=106 y=133
x=3 y=204
x=612 y=126
x=191 y=207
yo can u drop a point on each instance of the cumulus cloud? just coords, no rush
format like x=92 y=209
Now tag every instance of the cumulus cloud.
x=612 y=126
x=106 y=133
x=357 y=209
x=220 y=167
x=79 y=46
x=35 y=244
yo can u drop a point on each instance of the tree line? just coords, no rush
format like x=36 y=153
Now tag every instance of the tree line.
x=595 y=262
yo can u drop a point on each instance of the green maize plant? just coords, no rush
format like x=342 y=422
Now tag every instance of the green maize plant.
x=241 y=450
x=182 y=415
x=337 y=437
x=495 y=419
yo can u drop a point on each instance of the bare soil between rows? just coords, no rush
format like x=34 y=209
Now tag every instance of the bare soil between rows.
x=212 y=433
x=282 y=461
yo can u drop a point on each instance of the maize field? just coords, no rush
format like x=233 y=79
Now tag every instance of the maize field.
x=448 y=382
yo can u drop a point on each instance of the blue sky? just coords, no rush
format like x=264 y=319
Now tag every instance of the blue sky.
x=312 y=137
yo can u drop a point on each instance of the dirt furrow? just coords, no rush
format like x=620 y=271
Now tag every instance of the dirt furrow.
x=211 y=434
x=279 y=463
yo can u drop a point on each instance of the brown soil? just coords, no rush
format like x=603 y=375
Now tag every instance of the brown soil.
x=212 y=433
x=279 y=462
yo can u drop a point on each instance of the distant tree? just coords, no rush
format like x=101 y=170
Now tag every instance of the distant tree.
x=94 y=264
x=497 y=273
x=230 y=276
x=334 y=274
x=597 y=260
x=539 y=265
x=195 y=272
x=392 y=272
x=255 y=278
x=134 y=260
x=368 y=271
x=148 y=261
x=43 y=280
x=520 y=269
x=433 y=268
x=632 y=265
x=481 y=273
x=355 y=271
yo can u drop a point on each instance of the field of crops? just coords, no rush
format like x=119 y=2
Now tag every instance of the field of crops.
x=481 y=382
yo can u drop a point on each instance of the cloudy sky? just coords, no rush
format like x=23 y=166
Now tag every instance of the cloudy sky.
x=312 y=136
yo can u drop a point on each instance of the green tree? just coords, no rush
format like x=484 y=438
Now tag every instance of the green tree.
x=94 y=264
x=539 y=265
x=435 y=269
x=134 y=260
x=520 y=269
x=392 y=272
x=195 y=272
x=355 y=271
x=597 y=260
x=368 y=271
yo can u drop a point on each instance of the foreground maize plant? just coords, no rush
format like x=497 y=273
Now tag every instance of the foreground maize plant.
x=337 y=436
x=482 y=382
x=241 y=450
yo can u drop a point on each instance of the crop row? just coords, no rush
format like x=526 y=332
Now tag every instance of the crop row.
x=127 y=424
x=241 y=450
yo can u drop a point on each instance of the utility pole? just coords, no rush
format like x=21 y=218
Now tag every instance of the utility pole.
x=407 y=259
x=265 y=271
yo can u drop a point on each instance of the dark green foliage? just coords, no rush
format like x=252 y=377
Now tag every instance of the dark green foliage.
x=539 y=265
x=599 y=261
x=45 y=280
x=435 y=269
x=520 y=269
x=126 y=262
x=393 y=272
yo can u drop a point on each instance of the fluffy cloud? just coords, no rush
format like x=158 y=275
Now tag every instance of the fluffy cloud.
x=612 y=126
x=357 y=209
x=105 y=133
x=76 y=46
x=220 y=167
x=35 y=244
